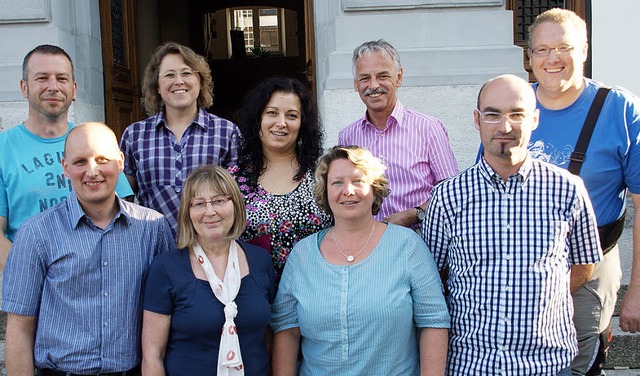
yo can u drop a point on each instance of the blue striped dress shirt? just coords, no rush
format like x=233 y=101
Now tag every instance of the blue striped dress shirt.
x=84 y=284
x=509 y=248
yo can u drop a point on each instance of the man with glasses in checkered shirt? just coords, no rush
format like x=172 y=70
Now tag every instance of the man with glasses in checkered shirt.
x=515 y=237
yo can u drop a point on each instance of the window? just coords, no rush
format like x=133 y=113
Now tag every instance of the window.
x=261 y=27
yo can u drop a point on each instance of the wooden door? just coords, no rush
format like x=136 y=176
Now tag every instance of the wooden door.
x=525 y=12
x=310 y=46
x=119 y=60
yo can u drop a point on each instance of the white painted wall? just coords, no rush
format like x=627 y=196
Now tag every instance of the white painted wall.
x=73 y=25
x=614 y=43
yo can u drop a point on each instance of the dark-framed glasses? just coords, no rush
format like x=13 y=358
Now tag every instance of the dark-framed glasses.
x=184 y=74
x=545 y=51
x=491 y=117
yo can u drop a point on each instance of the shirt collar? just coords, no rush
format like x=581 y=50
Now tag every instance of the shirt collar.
x=491 y=176
x=77 y=214
x=395 y=119
x=159 y=119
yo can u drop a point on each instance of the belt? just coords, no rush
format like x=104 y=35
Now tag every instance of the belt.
x=135 y=371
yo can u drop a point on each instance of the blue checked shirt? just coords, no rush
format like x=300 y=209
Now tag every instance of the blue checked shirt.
x=84 y=284
x=160 y=164
x=509 y=248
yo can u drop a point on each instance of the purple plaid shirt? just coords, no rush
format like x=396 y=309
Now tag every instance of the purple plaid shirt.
x=160 y=164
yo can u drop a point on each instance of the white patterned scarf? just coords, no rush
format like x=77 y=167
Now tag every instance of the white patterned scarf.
x=229 y=357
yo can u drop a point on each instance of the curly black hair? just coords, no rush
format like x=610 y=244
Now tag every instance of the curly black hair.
x=249 y=117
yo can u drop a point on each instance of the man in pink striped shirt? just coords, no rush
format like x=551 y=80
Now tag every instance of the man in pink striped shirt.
x=414 y=147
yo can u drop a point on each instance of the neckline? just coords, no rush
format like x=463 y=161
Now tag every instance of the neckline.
x=320 y=236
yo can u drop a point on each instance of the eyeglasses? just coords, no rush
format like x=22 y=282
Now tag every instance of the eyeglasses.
x=171 y=75
x=545 y=51
x=491 y=117
x=201 y=204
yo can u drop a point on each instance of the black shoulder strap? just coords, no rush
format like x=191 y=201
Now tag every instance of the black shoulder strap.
x=577 y=157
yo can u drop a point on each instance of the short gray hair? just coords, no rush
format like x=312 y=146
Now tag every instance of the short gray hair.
x=375 y=46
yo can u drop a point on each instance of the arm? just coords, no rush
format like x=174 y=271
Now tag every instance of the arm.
x=580 y=274
x=155 y=334
x=630 y=307
x=433 y=351
x=285 y=352
x=21 y=331
x=405 y=218
x=5 y=243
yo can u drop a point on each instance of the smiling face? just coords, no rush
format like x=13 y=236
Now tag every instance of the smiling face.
x=377 y=79
x=178 y=93
x=506 y=142
x=213 y=221
x=49 y=88
x=349 y=193
x=558 y=73
x=92 y=161
x=280 y=123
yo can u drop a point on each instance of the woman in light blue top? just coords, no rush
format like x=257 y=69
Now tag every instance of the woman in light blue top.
x=354 y=294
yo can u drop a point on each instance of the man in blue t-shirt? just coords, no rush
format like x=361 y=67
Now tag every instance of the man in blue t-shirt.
x=31 y=176
x=557 y=52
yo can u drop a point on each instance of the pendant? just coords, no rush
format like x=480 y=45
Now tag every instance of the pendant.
x=350 y=258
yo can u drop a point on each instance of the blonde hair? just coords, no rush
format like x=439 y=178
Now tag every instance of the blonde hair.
x=562 y=17
x=220 y=181
x=372 y=167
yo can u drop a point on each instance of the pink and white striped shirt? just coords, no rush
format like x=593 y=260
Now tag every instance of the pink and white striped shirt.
x=414 y=147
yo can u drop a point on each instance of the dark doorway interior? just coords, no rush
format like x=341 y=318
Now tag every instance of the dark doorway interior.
x=246 y=42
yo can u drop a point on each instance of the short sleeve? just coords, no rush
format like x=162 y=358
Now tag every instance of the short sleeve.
x=429 y=306
x=24 y=273
x=434 y=229
x=123 y=189
x=284 y=313
x=157 y=292
x=127 y=149
x=583 y=240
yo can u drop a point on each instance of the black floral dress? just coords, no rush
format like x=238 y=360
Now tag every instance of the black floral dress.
x=278 y=222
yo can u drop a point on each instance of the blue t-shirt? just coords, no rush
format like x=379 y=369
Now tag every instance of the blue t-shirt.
x=197 y=316
x=31 y=176
x=612 y=162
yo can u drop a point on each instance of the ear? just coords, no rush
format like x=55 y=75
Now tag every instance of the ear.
x=536 y=119
x=355 y=85
x=476 y=119
x=24 y=87
x=64 y=167
x=75 y=90
x=121 y=162
x=585 y=49
x=399 y=79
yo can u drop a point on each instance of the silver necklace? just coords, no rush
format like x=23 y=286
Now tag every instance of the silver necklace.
x=351 y=258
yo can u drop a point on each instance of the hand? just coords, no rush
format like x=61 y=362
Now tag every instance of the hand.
x=404 y=218
x=630 y=311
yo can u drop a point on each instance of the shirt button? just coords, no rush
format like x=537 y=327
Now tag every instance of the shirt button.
x=105 y=263
x=508 y=226
x=508 y=257
x=106 y=293
x=507 y=288
x=106 y=324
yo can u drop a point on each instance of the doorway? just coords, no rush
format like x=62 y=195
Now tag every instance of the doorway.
x=283 y=35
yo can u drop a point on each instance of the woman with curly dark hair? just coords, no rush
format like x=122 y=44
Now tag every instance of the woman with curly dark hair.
x=281 y=142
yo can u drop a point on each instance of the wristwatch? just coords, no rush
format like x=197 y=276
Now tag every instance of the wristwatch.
x=420 y=213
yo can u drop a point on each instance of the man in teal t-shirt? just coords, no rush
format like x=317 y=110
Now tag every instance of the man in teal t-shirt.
x=31 y=176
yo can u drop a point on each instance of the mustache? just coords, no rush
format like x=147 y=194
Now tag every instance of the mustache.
x=379 y=90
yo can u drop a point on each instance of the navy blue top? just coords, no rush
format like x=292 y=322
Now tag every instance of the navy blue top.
x=197 y=316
